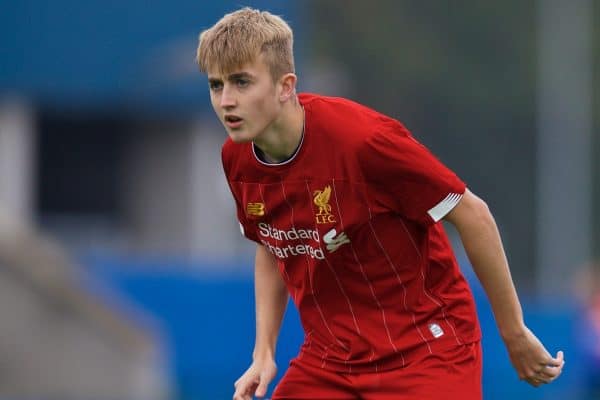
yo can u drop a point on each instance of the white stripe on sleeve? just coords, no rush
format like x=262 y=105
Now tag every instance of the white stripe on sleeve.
x=445 y=206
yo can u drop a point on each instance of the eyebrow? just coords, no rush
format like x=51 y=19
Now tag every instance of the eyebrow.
x=239 y=75
x=233 y=77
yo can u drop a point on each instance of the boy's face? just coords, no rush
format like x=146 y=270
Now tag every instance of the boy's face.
x=245 y=100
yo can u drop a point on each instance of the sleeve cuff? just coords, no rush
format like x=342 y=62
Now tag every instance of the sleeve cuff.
x=444 y=207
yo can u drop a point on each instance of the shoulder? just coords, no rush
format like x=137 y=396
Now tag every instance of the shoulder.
x=227 y=151
x=233 y=155
x=345 y=119
x=336 y=106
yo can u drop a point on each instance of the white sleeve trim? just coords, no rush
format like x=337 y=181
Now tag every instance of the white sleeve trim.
x=445 y=206
x=242 y=229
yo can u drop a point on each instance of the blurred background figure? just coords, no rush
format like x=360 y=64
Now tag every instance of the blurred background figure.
x=587 y=291
x=121 y=261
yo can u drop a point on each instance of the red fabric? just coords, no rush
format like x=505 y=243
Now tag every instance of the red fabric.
x=454 y=374
x=374 y=278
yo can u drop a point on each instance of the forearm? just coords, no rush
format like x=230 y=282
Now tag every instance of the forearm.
x=271 y=300
x=481 y=240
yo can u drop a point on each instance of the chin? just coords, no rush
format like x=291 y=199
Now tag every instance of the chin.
x=239 y=137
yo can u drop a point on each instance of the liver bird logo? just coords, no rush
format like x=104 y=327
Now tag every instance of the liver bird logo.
x=321 y=200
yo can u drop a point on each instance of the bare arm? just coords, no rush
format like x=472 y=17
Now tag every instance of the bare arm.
x=271 y=300
x=481 y=240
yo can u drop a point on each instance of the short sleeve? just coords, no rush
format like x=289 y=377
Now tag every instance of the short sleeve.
x=245 y=228
x=406 y=177
x=236 y=192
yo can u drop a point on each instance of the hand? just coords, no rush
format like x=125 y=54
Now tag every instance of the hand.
x=531 y=359
x=255 y=380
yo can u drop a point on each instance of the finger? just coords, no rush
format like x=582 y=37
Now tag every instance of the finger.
x=533 y=375
x=238 y=395
x=548 y=374
x=239 y=383
x=552 y=369
x=534 y=382
x=551 y=372
x=556 y=362
x=544 y=375
x=542 y=379
x=539 y=380
x=241 y=396
x=244 y=390
x=261 y=390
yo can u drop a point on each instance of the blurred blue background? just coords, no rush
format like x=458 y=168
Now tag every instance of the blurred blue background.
x=122 y=270
x=211 y=323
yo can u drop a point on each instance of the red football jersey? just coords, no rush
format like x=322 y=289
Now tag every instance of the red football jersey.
x=352 y=218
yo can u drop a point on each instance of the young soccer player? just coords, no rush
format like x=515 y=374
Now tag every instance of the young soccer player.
x=345 y=207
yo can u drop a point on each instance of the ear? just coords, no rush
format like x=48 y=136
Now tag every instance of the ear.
x=288 y=86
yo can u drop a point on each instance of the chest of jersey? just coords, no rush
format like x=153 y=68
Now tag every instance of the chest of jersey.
x=312 y=217
x=302 y=211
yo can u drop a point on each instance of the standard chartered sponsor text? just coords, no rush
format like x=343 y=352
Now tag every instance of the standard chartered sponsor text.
x=268 y=231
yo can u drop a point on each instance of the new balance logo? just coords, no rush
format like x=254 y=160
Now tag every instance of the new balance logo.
x=334 y=242
x=255 y=209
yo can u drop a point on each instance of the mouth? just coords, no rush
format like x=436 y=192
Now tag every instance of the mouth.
x=233 y=121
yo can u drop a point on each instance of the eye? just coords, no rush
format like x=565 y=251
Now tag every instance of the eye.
x=242 y=82
x=215 y=85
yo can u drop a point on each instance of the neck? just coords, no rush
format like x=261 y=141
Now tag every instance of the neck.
x=282 y=138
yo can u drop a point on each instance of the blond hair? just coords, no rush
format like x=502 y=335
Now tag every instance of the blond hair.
x=241 y=36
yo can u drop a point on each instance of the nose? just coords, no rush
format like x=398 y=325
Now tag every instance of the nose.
x=228 y=99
